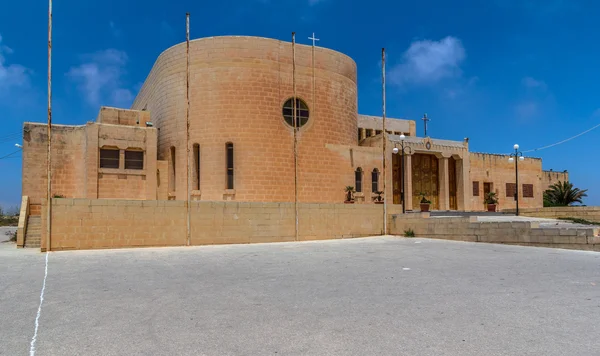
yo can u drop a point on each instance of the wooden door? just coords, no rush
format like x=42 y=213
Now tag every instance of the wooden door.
x=425 y=179
x=452 y=183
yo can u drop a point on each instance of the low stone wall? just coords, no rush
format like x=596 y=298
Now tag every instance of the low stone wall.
x=590 y=213
x=22 y=227
x=89 y=224
x=514 y=233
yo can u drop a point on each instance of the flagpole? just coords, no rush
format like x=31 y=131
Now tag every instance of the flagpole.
x=187 y=124
x=294 y=119
x=384 y=143
x=49 y=153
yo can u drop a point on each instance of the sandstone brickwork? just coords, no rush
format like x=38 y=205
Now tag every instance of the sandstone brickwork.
x=237 y=89
x=104 y=223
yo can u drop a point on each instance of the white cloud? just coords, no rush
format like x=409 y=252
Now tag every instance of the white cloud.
x=527 y=109
x=12 y=75
x=530 y=82
x=427 y=62
x=100 y=78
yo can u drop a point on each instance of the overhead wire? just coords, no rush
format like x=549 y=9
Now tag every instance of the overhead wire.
x=10 y=154
x=563 y=141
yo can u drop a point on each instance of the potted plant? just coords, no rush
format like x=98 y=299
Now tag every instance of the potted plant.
x=491 y=200
x=378 y=199
x=425 y=203
x=349 y=195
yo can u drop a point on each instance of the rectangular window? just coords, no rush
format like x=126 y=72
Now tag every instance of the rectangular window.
x=511 y=189
x=375 y=181
x=134 y=159
x=475 y=189
x=173 y=173
x=369 y=132
x=527 y=190
x=109 y=158
x=359 y=134
x=378 y=132
x=196 y=179
x=229 y=148
x=358 y=180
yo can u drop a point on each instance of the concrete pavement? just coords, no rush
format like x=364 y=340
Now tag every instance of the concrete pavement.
x=373 y=296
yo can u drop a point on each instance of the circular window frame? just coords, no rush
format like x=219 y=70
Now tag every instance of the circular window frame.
x=284 y=117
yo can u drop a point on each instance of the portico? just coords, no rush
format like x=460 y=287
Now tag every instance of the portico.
x=437 y=169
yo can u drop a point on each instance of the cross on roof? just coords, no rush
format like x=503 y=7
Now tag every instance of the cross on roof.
x=313 y=39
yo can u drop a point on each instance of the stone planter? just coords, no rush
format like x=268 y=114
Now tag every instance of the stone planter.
x=491 y=207
x=424 y=207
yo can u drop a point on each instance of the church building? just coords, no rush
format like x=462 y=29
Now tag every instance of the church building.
x=243 y=145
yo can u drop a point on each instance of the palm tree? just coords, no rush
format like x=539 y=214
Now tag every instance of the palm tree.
x=563 y=194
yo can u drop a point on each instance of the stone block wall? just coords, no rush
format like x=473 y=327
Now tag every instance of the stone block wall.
x=512 y=233
x=550 y=177
x=75 y=162
x=497 y=170
x=237 y=89
x=590 y=213
x=106 y=223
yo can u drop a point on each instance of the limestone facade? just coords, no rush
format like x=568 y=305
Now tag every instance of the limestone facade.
x=242 y=149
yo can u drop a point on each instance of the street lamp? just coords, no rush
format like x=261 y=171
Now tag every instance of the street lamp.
x=18 y=146
x=516 y=157
x=395 y=150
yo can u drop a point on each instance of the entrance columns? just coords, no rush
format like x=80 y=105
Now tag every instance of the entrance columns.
x=463 y=191
x=408 y=190
x=444 y=184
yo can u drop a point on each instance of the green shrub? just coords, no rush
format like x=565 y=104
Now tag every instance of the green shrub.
x=409 y=233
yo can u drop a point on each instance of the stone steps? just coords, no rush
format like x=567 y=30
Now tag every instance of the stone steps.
x=33 y=237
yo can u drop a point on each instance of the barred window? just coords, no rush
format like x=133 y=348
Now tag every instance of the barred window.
x=196 y=172
x=358 y=179
x=527 y=190
x=134 y=159
x=475 y=189
x=229 y=149
x=375 y=180
x=109 y=158
x=511 y=189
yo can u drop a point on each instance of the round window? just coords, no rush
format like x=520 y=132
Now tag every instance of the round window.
x=301 y=112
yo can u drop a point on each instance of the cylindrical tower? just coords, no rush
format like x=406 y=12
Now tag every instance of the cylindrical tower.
x=241 y=118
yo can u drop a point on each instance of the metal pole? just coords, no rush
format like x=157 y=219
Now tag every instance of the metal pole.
x=402 y=177
x=49 y=153
x=187 y=127
x=295 y=124
x=385 y=231
x=517 y=180
x=314 y=103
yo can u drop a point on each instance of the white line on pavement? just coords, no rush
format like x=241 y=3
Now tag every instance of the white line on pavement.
x=39 y=312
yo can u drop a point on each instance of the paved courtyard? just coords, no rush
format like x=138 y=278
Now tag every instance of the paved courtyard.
x=374 y=296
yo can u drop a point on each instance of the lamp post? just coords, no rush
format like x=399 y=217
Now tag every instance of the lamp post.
x=395 y=150
x=516 y=157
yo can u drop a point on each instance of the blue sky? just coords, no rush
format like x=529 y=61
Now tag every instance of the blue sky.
x=499 y=71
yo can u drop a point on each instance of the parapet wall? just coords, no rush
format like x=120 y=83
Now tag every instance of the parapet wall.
x=590 y=213
x=511 y=233
x=90 y=224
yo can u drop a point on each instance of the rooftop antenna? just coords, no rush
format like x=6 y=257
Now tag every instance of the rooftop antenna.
x=425 y=119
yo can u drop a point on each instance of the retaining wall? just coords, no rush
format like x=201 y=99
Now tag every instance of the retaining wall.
x=590 y=213
x=89 y=224
x=513 y=233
